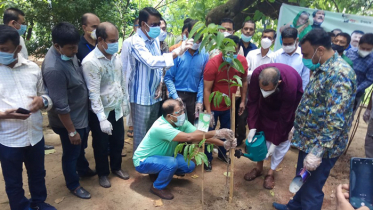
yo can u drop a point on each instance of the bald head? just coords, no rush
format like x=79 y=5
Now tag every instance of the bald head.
x=89 y=23
x=269 y=77
x=170 y=106
x=107 y=31
x=88 y=18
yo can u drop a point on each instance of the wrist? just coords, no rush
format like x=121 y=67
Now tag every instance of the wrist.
x=72 y=133
x=101 y=116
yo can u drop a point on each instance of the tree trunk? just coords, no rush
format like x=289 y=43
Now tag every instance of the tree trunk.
x=29 y=31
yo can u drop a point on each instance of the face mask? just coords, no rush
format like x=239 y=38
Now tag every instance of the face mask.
x=338 y=48
x=93 y=35
x=7 y=58
x=228 y=59
x=309 y=64
x=195 y=46
x=266 y=43
x=184 y=37
x=245 y=38
x=111 y=48
x=363 y=53
x=22 y=30
x=180 y=120
x=154 y=31
x=162 y=36
x=289 y=49
x=267 y=93
x=226 y=33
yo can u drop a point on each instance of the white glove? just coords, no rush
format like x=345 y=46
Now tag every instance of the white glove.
x=271 y=150
x=199 y=107
x=366 y=115
x=106 y=127
x=125 y=107
x=230 y=144
x=311 y=162
x=224 y=133
x=185 y=45
x=251 y=135
x=291 y=133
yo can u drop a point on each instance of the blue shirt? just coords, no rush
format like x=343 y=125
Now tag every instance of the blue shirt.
x=295 y=61
x=187 y=74
x=146 y=75
x=363 y=68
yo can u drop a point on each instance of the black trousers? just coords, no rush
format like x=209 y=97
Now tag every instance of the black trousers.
x=101 y=141
x=241 y=122
x=189 y=100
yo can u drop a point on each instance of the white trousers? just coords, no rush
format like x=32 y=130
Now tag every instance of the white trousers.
x=279 y=153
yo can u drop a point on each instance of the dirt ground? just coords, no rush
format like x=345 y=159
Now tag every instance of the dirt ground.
x=134 y=193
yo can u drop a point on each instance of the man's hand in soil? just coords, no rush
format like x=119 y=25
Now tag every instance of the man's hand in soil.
x=342 y=199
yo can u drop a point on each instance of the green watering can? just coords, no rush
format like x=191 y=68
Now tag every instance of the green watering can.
x=256 y=150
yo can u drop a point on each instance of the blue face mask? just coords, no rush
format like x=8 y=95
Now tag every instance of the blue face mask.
x=111 y=48
x=22 y=30
x=154 y=31
x=180 y=120
x=65 y=58
x=7 y=58
x=309 y=64
x=229 y=59
x=245 y=38
x=184 y=37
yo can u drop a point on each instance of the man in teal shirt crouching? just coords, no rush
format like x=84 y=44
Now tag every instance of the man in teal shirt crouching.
x=154 y=155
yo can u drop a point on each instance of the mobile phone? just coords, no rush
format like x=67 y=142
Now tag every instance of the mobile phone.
x=22 y=111
x=361 y=182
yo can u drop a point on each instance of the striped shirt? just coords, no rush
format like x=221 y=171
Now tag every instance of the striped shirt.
x=147 y=73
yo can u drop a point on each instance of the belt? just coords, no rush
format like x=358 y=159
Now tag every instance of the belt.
x=185 y=93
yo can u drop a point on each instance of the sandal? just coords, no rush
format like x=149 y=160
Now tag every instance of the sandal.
x=269 y=182
x=252 y=174
x=130 y=133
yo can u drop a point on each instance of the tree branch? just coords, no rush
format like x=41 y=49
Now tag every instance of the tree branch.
x=156 y=7
x=166 y=4
x=336 y=5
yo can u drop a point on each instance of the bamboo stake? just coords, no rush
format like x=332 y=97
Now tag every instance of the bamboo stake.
x=203 y=149
x=231 y=153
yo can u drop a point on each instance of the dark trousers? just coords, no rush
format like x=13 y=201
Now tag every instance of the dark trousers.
x=73 y=159
x=224 y=118
x=241 y=122
x=12 y=159
x=101 y=141
x=189 y=100
x=310 y=196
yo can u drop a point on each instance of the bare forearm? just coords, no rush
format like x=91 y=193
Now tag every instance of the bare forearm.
x=215 y=141
x=206 y=100
x=66 y=121
x=243 y=90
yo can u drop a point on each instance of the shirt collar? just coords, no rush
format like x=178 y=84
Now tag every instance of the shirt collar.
x=144 y=37
x=21 y=61
x=260 y=52
x=328 y=63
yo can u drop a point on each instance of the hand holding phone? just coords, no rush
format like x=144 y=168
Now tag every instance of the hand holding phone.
x=23 y=111
x=13 y=114
x=361 y=182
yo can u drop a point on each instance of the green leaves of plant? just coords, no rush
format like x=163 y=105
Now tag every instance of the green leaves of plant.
x=238 y=65
x=201 y=143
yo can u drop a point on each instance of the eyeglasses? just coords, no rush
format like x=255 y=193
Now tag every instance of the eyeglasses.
x=154 y=24
x=181 y=111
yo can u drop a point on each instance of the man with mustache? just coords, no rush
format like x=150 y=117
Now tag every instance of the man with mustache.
x=318 y=18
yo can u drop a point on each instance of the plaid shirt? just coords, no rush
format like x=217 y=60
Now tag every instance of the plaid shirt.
x=324 y=115
x=363 y=68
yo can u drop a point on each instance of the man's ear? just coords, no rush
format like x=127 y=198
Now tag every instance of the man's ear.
x=19 y=48
x=56 y=45
x=297 y=40
x=84 y=27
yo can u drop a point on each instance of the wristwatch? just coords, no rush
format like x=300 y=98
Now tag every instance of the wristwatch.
x=72 y=134
x=45 y=102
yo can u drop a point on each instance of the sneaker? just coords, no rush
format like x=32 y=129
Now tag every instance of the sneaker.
x=208 y=168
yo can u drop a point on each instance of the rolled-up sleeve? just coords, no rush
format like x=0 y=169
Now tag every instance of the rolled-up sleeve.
x=56 y=83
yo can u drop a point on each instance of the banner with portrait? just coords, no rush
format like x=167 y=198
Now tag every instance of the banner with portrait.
x=305 y=19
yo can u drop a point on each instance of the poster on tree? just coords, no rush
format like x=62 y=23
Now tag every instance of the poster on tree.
x=306 y=19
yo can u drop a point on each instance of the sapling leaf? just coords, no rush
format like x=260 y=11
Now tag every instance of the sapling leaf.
x=213 y=27
x=209 y=46
x=201 y=143
x=198 y=160
x=191 y=149
x=211 y=96
x=203 y=156
x=205 y=40
x=223 y=80
x=197 y=27
x=209 y=148
x=186 y=152
x=197 y=36
x=221 y=27
x=238 y=65
x=227 y=101
x=219 y=38
x=222 y=65
x=238 y=79
x=220 y=99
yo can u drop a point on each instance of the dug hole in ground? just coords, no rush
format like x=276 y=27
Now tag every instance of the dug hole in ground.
x=134 y=193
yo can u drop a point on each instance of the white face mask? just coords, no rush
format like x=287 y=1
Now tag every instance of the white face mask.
x=226 y=33
x=363 y=53
x=289 y=49
x=162 y=36
x=267 y=93
x=93 y=35
x=266 y=43
x=195 y=46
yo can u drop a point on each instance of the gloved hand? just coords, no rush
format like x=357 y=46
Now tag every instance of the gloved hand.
x=125 y=107
x=106 y=127
x=230 y=144
x=158 y=92
x=212 y=121
x=311 y=162
x=251 y=135
x=366 y=115
x=224 y=133
x=185 y=45
x=291 y=133
x=199 y=107
x=271 y=150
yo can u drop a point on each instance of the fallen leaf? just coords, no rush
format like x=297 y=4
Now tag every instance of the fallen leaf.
x=279 y=169
x=59 y=200
x=158 y=203
x=229 y=174
x=272 y=193
x=49 y=151
x=295 y=166
x=195 y=176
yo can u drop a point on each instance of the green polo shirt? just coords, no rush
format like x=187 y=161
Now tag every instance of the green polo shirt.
x=158 y=140
x=347 y=60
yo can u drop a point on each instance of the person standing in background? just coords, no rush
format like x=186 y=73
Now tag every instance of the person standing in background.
x=16 y=18
x=247 y=32
x=88 y=40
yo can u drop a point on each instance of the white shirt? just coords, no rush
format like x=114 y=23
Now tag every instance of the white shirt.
x=106 y=84
x=16 y=86
x=128 y=62
x=23 y=52
x=255 y=59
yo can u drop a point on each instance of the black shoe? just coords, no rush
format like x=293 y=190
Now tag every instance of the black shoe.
x=225 y=159
x=208 y=168
x=48 y=147
x=121 y=174
x=104 y=181
x=80 y=192
x=88 y=173
x=42 y=206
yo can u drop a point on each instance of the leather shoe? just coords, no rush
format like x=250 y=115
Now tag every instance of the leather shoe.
x=89 y=173
x=104 y=181
x=122 y=174
x=208 y=168
x=80 y=192
x=164 y=194
x=42 y=206
x=48 y=147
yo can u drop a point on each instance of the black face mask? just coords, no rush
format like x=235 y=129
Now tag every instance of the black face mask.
x=338 y=48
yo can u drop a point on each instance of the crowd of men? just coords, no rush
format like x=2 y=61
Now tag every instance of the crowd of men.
x=303 y=95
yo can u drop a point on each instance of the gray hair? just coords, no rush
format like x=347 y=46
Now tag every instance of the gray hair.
x=269 y=75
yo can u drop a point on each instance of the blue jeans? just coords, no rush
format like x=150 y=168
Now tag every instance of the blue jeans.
x=165 y=167
x=225 y=122
x=73 y=159
x=12 y=159
x=310 y=196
